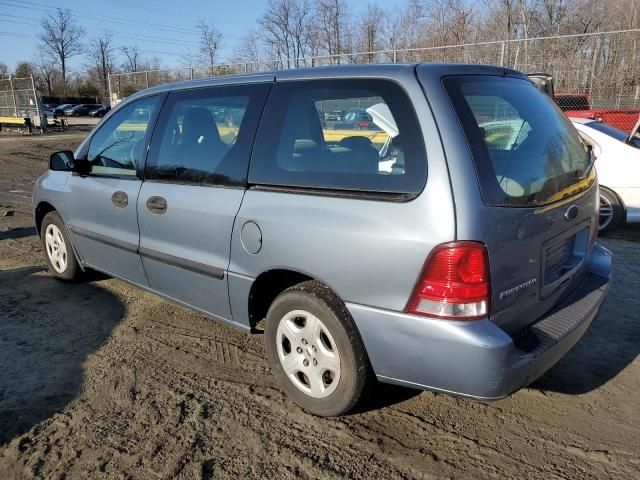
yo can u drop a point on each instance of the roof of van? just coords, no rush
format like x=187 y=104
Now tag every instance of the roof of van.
x=329 y=72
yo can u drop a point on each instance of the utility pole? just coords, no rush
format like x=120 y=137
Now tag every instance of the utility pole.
x=35 y=99
x=110 y=91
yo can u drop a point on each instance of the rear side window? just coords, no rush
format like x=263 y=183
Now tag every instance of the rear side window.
x=204 y=136
x=525 y=149
x=359 y=135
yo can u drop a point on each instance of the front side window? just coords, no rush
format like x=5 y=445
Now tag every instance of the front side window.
x=204 y=136
x=360 y=135
x=525 y=149
x=118 y=147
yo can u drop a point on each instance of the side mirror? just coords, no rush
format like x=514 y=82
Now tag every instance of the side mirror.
x=62 y=161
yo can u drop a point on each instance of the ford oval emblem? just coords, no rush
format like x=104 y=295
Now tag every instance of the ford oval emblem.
x=571 y=213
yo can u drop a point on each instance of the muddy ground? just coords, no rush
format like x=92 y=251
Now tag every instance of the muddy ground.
x=101 y=380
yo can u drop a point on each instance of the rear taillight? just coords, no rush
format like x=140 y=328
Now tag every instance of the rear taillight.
x=454 y=283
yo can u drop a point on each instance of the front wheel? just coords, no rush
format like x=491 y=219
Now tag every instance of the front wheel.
x=57 y=248
x=315 y=350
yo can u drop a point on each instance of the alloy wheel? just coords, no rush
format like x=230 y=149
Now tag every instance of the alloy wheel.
x=56 y=248
x=308 y=353
x=606 y=213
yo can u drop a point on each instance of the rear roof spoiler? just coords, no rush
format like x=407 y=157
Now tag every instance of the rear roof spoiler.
x=543 y=82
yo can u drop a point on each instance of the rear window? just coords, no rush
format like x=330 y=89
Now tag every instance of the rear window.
x=356 y=135
x=525 y=149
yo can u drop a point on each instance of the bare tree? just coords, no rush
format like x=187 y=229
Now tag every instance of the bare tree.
x=101 y=55
x=24 y=70
x=134 y=58
x=404 y=29
x=210 y=38
x=286 y=30
x=155 y=63
x=370 y=31
x=48 y=74
x=332 y=17
x=4 y=71
x=250 y=50
x=447 y=22
x=61 y=37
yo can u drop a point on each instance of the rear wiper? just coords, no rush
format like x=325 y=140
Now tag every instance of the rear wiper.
x=592 y=162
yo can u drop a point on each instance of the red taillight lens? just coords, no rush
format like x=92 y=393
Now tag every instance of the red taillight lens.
x=454 y=283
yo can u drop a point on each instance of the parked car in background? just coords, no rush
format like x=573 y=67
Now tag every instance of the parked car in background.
x=60 y=109
x=618 y=166
x=429 y=254
x=334 y=115
x=81 y=110
x=579 y=106
x=100 y=112
x=47 y=110
x=355 y=118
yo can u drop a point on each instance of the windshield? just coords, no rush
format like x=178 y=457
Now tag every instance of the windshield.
x=525 y=149
x=616 y=133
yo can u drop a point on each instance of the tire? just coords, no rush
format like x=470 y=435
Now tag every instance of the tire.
x=333 y=385
x=57 y=248
x=611 y=211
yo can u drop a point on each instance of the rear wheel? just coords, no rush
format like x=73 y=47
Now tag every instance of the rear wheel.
x=611 y=211
x=315 y=350
x=57 y=248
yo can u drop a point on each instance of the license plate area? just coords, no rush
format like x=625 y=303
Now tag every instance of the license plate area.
x=563 y=257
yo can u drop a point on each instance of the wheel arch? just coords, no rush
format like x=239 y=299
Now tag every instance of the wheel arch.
x=41 y=210
x=271 y=283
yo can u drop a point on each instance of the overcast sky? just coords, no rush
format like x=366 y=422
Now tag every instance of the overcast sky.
x=162 y=28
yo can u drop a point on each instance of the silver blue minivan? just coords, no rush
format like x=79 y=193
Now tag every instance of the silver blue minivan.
x=445 y=241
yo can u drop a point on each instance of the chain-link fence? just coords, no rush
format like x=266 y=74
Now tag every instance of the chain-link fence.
x=595 y=75
x=19 y=98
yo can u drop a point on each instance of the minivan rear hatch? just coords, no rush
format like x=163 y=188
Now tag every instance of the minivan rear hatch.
x=538 y=190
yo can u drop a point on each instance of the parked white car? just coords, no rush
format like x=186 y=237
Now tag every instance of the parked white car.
x=618 y=166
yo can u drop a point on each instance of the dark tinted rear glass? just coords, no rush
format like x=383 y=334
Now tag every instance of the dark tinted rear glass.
x=358 y=135
x=525 y=149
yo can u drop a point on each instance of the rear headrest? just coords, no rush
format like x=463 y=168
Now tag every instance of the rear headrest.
x=355 y=142
x=199 y=126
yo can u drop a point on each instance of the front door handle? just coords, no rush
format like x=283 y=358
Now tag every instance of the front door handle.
x=157 y=205
x=120 y=199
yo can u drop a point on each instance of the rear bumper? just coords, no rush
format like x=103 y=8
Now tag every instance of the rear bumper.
x=477 y=359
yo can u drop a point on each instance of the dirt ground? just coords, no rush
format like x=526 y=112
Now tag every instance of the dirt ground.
x=101 y=380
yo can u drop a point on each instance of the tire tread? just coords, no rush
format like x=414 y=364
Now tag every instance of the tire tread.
x=73 y=271
x=363 y=369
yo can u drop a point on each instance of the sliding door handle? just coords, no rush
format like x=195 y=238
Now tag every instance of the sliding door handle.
x=120 y=199
x=157 y=205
